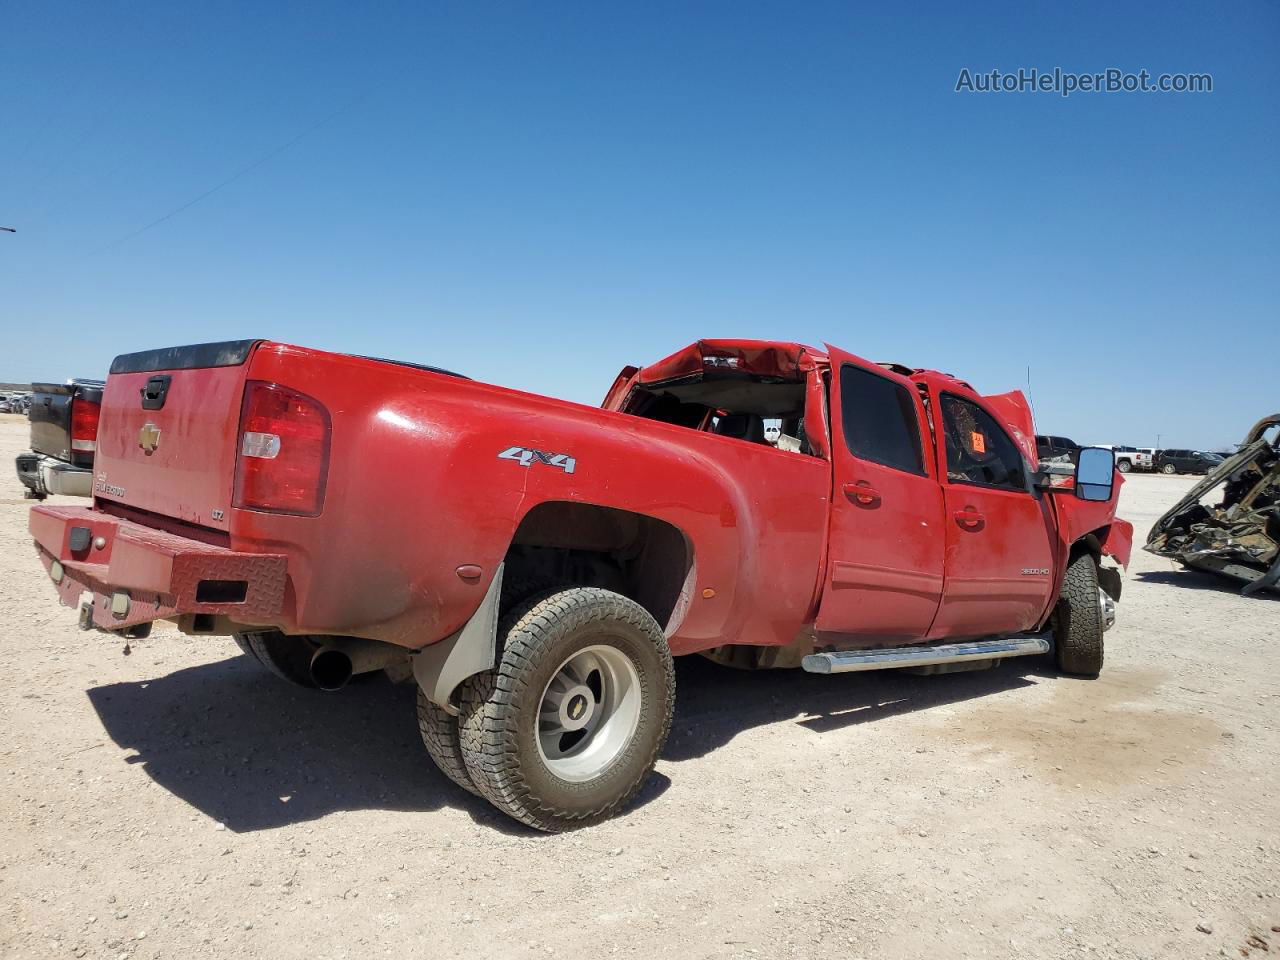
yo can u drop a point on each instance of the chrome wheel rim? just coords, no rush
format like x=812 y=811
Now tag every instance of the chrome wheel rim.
x=589 y=712
x=1106 y=609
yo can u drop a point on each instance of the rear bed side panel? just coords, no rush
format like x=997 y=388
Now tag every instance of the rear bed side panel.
x=416 y=489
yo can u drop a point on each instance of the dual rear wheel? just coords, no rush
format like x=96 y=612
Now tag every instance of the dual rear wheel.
x=568 y=726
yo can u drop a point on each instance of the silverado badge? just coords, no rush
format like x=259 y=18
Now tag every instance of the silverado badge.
x=149 y=437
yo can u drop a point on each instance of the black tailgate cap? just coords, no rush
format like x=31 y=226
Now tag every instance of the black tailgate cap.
x=229 y=353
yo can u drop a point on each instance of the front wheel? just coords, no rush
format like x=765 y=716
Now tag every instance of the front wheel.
x=1124 y=466
x=1079 y=623
x=1169 y=468
x=566 y=729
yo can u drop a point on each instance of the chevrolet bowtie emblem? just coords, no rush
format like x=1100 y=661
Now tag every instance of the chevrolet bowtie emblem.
x=149 y=437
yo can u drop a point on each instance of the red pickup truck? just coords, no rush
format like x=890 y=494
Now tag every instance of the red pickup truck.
x=535 y=564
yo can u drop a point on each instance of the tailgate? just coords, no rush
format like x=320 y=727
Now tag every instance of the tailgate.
x=50 y=417
x=167 y=435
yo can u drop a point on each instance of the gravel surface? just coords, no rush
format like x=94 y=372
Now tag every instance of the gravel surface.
x=180 y=802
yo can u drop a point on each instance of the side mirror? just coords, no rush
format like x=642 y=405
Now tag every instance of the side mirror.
x=1095 y=474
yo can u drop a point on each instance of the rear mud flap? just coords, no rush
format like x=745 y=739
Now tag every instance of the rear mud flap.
x=442 y=667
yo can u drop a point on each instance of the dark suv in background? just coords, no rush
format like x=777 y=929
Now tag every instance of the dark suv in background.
x=1186 y=461
x=1048 y=447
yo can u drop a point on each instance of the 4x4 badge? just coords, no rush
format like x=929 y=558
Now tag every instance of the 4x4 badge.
x=149 y=437
x=526 y=457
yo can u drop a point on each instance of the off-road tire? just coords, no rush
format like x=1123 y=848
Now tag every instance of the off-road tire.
x=438 y=727
x=439 y=730
x=289 y=658
x=1078 y=627
x=520 y=587
x=498 y=714
x=1169 y=469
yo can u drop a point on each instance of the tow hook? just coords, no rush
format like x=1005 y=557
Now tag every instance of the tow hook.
x=139 y=631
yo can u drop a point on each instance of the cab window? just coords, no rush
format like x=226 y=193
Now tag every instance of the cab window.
x=978 y=450
x=879 y=420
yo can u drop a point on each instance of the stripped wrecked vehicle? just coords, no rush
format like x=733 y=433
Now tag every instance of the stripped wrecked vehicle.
x=1239 y=537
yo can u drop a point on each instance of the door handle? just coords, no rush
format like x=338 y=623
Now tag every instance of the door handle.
x=970 y=519
x=862 y=493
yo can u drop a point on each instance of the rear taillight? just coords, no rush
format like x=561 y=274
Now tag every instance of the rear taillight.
x=84 y=424
x=284 y=451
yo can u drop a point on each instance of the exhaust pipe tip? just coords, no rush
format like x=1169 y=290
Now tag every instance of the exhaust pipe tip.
x=331 y=668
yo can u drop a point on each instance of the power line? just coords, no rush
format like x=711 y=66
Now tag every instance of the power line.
x=243 y=171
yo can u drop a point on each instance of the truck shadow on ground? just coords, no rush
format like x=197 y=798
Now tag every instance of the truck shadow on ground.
x=255 y=753
x=1200 y=580
x=716 y=703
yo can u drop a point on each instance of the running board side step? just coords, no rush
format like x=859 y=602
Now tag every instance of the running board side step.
x=847 y=661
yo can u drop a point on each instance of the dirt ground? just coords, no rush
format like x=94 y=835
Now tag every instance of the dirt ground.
x=180 y=802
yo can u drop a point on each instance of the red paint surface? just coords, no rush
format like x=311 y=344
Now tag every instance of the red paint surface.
x=160 y=572
x=885 y=570
x=415 y=490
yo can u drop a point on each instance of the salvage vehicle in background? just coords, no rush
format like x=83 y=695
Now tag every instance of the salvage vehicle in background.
x=535 y=564
x=1186 y=461
x=1240 y=536
x=64 y=433
x=1055 y=448
x=14 y=402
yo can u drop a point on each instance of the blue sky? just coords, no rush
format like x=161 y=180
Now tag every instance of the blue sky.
x=537 y=194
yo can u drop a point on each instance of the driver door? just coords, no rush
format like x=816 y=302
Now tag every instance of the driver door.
x=1000 y=544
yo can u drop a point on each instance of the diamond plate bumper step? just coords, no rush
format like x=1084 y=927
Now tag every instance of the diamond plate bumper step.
x=137 y=573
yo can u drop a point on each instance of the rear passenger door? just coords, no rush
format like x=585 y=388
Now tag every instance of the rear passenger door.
x=885 y=547
x=999 y=534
